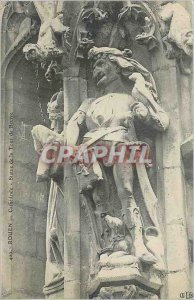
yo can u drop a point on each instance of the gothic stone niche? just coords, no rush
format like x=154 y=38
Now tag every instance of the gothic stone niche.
x=116 y=24
x=123 y=249
x=20 y=25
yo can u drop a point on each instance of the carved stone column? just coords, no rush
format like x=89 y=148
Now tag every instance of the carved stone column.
x=170 y=179
x=74 y=93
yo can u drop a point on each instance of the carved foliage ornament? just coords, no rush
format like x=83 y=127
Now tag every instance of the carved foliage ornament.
x=142 y=15
x=93 y=17
x=177 y=36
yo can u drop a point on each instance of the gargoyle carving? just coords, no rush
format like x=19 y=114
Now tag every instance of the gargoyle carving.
x=52 y=68
x=49 y=49
x=177 y=33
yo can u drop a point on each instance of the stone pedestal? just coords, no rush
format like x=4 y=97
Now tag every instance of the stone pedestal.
x=121 y=282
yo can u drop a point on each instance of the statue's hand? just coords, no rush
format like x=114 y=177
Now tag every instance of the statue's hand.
x=140 y=110
x=140 y=91
x=137 y=77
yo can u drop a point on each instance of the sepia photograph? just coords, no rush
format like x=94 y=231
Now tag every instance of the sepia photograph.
x=96 y=149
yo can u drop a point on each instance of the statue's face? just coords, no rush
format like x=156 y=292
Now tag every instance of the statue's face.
x=188 y=43
x=105 y=72
x=31 y=52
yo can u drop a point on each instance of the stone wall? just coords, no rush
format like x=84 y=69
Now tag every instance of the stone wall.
x=26 y=274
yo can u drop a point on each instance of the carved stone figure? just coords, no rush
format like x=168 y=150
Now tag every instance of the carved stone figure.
x=177 y=33
x=177 y=27
x=54 y=274
x=50 y=47
x=127 y=94
x=124 y=292
x=43 y=135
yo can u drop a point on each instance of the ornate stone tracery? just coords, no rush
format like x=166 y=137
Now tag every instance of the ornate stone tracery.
x=141 y=14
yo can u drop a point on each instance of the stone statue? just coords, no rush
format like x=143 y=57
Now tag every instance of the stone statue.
x=177 y=34
x=43 y=135
x=54 y=274
x=126 y=258
x=49 y=48
x=48 y=44
x=127 y=94
x=176 y=28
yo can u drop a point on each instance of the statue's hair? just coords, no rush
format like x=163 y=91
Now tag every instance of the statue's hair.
x=126 y=64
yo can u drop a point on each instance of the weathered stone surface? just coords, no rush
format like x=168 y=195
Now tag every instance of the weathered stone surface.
x=177 y=253
x=24 y=274
x=171 y=182
x=24 y=238
x=31 y=194
x=72 y=289
x=41 y=246
x=23 y=150
x=187 y=156
x=40 y=222
x=174 y=206
x=71 y=257
x=72 y=225
x=185 y=105
x=178 y=283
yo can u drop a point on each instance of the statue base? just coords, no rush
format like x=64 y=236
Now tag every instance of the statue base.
x=123 y=282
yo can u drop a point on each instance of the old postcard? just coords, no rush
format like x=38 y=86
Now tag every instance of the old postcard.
x=96 y=149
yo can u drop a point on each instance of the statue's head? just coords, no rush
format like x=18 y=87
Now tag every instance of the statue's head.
x=55 y=109
x=32 y=52
x=107 y=65
x=187 y=42
x=111 y=63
